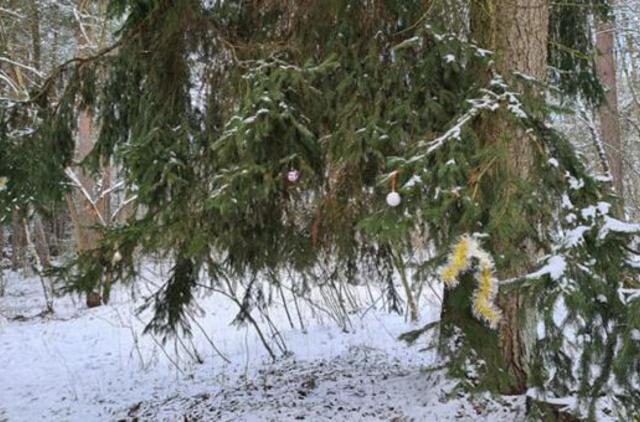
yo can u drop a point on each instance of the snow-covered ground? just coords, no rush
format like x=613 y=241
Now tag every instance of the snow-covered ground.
x=94 y=364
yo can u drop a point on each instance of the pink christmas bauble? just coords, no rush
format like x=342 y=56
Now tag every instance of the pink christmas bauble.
x=293 y=176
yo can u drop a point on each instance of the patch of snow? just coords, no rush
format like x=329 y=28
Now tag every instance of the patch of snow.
x=566 y=403
x=575 y=236
x=555 y=268
x=363 y=384
x=94 y=364
x=628 y=295
x=482 y=52
x=566 y=202
x=413 y=181
x=449 y=58
x=541 y=330
x=589 y=212
x=560 y=312
x=525 y=76
x=575 y=184
x=603 y=179
x=614 y=225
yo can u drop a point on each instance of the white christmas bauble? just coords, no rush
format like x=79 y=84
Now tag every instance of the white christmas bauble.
x=393 y=199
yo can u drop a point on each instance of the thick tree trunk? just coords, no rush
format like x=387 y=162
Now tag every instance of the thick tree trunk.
x=84 y=214
x=608 y=111
x=516 y=30
x=83 y=208
x=521 y=43
x=88 y=207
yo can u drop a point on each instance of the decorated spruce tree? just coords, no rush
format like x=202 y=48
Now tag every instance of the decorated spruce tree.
x=271 y=137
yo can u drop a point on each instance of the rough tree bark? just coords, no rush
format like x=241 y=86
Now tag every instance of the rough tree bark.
x=80 y=202
x=521 y=34
x=81 y=208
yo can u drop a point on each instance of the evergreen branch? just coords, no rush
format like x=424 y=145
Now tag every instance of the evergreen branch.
x=597 y=140
x=489 y=102
x=112 y=189
x=422 y=18
x=23 y=66
x=80 y=61
x=123 y=206
x=81 y=26
x=247 y=314
x=410 y=337
x=12 y=13
x=572 y=51
x=9 y=82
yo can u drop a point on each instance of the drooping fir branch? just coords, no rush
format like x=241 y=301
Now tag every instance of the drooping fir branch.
x=572 y=51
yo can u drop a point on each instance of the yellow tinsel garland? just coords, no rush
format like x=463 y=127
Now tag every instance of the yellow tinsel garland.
x=483 y=303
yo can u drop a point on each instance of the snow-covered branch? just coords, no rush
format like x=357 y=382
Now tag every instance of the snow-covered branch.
x=76 y=182
x=23 y=66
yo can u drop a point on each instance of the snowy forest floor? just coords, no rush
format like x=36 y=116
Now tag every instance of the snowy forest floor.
x=94 y=364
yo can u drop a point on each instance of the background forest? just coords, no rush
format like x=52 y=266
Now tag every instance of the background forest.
x=259 y=188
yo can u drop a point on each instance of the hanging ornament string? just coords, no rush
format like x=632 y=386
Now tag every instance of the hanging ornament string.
x=483 y=303
x=393 y=198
